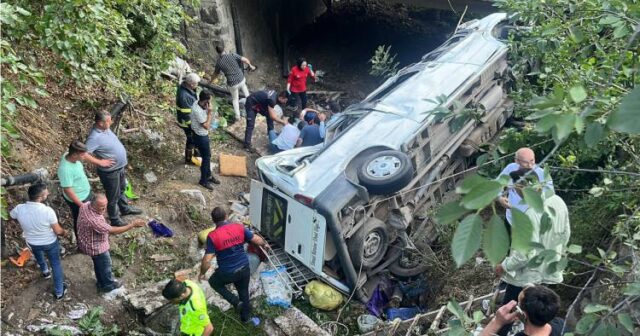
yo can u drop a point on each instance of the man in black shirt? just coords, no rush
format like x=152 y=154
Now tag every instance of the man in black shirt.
x=230 y=64
x=537 y=307
x=262 y=102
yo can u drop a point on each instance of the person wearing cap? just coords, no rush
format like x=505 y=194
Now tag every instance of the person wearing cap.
x=73 y=180
x=311 y=135
x=192 y=307
x=185 y=97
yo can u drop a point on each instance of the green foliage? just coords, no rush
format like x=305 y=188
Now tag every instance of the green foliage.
x=576 y=70
x=91 y=325
x=466 y=239
x=492 y=243
x=456 y=114
x=383 y=64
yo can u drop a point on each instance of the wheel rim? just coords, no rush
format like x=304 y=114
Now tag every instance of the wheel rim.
x=372 y=244
x=383 y=166
x=409 y=260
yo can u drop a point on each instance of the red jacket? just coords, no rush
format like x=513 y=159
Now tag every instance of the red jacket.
x=298 y=79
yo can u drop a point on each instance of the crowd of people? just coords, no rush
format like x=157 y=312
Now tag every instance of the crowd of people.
x=97 y=215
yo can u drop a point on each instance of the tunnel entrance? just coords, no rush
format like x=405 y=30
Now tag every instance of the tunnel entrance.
x=342 y=41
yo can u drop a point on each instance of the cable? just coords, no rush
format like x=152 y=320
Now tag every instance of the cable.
x=600 y=171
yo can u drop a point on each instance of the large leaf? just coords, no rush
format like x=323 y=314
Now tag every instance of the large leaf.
x=578 y=93
x=593 y=134
x=563 y=127
x=521 y=231
x=450 y=212
x=466 y=239
x=533 y=199
x=594 y=308
x=626 y=118
x=481 y=194
x=625 y=321
x=469 y=183
x=585 y=323
x=495 y=243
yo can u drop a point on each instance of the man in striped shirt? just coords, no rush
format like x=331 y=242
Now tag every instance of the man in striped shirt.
x=93 y=239
x=230 y=64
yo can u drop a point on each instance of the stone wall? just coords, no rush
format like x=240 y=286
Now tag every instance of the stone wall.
x=212 y=25
x=264 y=26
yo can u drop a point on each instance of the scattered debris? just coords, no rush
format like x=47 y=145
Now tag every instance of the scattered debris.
x=114 y=294
x=161 y=257
x=197 y=195
x=48 y=327
x=150 y=177
x=159 y=229
x=323 y=296
x=239 y=209
x=245 y=197
x=154 y=137
x=294 y=322
x=367 y=323
x=78 y=311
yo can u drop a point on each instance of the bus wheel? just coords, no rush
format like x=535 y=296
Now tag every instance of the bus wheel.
x=369 y=244
x=410 y=264
x=385 y=172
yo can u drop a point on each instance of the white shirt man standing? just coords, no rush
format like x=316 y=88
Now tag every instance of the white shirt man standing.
x=40 y=229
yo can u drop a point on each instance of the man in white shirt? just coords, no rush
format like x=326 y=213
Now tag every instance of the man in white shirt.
x=286 y=139
x=525 y=158
x=201 y=116
x=40 y=229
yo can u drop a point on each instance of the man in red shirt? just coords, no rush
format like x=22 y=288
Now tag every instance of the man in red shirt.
x=226 y=243
x=297 y=81
x=93 y=239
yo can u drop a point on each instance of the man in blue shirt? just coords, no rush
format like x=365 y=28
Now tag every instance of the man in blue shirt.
x=525 y=159
x=226 y=243
x=109 y=154
x=311 y=135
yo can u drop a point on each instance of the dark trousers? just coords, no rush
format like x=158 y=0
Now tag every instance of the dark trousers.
x=102 y=268
x=511 y=292
x=240 y=279
x=114 y=183
x=202 y=143
x=300 y=99
x=190 y=145
x=251 y=122
x=75 y=211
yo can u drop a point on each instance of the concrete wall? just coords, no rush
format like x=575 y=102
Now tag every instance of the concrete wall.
x=264 y=26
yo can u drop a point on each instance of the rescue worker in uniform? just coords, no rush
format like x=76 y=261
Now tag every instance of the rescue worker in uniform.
x=192 y=305
x=226 y=243
x=185 y=97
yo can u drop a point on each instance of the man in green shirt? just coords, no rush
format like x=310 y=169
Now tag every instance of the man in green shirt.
x=74 y=182
x=192 y=304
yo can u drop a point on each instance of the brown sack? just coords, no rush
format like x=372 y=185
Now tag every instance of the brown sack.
x=231 y=165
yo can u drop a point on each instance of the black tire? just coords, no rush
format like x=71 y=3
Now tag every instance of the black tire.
x=408 y=265
x=385 y=172
x=368 y=245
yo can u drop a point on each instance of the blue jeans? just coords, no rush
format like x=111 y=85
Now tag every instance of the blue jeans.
x=53 y=253
x=272 y=136
x=102 y=268
x=202 y=143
